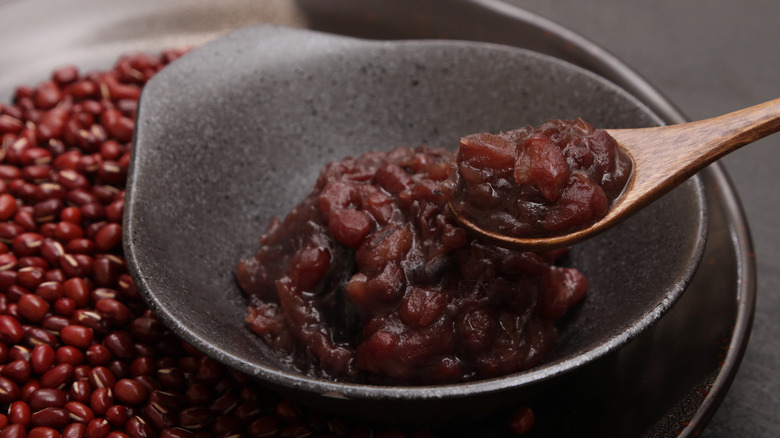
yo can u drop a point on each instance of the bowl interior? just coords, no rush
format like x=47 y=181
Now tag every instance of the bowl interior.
x=236 y=132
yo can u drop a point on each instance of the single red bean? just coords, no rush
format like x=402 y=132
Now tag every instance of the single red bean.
x=13 y=431
x=19 y=413
x=67 y=231
x=18 y=371
x=101 y=377
x=19 y=352
x=47 y=210
x=33 y=307
x=83 y=89
x=70 y=214
x=137 y=427
x=171 y=378
x=65 y=75
x=47 y=95
x=98 y=354
x=264 y=426
x=55 y=323
x=98 y=428
x=11 y=331
x=61 y=374
x=31 y=276
x=77 y=290
x=80 y=246
x=147 y=329
x=34 y=336
x=159 y=416
x=42 y=358
x=51 y=291
x=43 y=432
x=71 y=355
x=7 y=206
x=33 y=262
x=115 y=210
x=74 y=430
x=56 y=418
x=118 y=314
x=80 y=391
x=77 y=335
x=105 y=271
x=47 y=398
x=117 y=415
x=120 y=344
x=63 y=306
x=79 y=412
x=143 y=366
x=101 y=399
x=130 y=392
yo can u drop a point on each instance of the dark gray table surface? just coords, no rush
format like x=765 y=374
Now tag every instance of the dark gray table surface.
x=709 y=57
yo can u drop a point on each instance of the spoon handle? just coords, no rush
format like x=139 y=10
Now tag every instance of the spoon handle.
x=666 y=156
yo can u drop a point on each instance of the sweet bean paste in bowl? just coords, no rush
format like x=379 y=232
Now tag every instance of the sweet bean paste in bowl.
x=371 y=279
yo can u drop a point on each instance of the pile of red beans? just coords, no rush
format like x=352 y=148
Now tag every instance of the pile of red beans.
x=80 y=353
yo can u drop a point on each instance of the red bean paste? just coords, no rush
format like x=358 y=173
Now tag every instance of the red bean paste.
x=549 y=180
x=371 y=279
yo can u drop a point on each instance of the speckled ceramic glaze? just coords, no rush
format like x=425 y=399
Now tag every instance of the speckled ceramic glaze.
x=236 y=132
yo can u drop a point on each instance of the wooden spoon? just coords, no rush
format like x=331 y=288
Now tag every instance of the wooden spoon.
x=663 y=157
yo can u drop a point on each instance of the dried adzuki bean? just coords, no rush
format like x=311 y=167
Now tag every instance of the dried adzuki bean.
x=47 y=398
x=19 y=413
x=79 y=412
x=77 y=335
x=102 y=398
x=56 y=418
x=98 y=428
x=58 y=376
x=71 y=355
x=13 y=431
x=74 y=430
x=18 y=371
x=33 y=308
x=42 y=358
x=80 y=391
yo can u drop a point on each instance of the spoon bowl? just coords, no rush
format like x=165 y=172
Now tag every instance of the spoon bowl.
x=219 y=151
x=663 y=157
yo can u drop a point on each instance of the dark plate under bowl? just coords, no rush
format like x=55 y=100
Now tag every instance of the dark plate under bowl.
x=236 y=132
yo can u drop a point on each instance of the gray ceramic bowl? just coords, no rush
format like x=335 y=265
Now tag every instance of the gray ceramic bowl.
x=236 y=132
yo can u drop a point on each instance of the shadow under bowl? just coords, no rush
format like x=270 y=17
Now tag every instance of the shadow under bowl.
x=235 y=133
